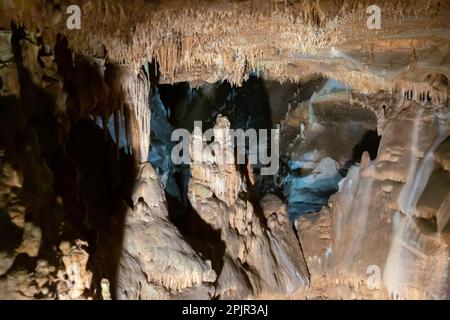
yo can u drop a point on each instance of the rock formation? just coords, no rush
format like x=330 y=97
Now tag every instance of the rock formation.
x=386 y=211
x=93 y=207
x=156 y=263
x=221 y=195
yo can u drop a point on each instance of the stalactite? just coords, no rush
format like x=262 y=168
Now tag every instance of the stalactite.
x=136 y=91
x=200 y=37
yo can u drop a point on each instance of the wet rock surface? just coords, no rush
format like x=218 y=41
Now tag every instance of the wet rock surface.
x=383 y=216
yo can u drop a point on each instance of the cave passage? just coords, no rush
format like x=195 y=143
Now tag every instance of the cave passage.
x=323 y=141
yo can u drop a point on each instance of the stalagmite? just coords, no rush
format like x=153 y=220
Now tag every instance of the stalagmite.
x=155 y=262
x=264 y=249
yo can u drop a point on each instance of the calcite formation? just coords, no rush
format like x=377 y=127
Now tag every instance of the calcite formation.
x=193 y=40
x=363 y=112
x=262 y=255
x=156 y=262
x=382 y=218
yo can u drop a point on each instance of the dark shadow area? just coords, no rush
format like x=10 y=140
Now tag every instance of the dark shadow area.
x=105 y=182
x=75 y=186
x=370 y=143
x=178 y=106
x=198 y=234
x=43 y=160
x=173 y=95
x=11 y=235
x=104 y=176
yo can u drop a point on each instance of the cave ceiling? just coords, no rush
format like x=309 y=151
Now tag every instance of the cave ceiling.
x=207 y=41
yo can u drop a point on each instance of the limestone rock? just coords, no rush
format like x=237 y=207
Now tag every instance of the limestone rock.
x=434 y=194
x=156 y=263
x=442 y=154
x=384 y=234
x=377 y=247
x=74 y=278
x=262 y=256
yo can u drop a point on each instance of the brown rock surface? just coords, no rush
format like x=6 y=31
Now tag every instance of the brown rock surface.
x=384 y=234
x=442 y=154
x=156 y=263
x=378 y=249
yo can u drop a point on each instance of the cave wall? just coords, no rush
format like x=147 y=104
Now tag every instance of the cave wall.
x=384 y=219
x=61 y=239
